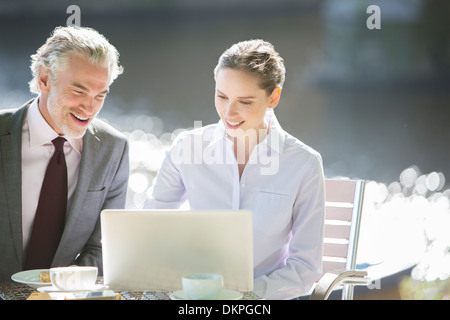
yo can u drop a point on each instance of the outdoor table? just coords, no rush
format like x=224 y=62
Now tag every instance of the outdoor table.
x=11 y=290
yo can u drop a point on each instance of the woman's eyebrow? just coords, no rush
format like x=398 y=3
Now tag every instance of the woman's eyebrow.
x=246 y=97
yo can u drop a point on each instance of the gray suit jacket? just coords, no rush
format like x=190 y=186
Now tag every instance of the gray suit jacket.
x=102 y=183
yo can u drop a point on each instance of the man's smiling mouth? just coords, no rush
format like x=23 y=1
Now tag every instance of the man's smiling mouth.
x=80 y=118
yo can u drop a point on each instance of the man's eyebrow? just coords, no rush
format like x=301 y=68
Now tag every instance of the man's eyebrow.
x=80 y=86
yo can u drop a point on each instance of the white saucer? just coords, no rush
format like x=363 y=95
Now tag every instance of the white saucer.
x=30 y=278
x=224 y=295
x=53 y=289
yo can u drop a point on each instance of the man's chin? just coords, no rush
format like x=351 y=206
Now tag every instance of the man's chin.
x=74 y=134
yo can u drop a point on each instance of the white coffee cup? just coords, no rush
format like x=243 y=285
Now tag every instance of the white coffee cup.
x=202 y=286
x=73 y=278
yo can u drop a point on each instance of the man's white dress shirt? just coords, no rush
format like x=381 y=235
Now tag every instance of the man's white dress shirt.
x=37 y=149
x=282 y=184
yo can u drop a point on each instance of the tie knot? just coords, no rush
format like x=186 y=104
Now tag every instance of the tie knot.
x=59 y=143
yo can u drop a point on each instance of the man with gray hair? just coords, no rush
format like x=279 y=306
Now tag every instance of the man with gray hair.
x=59 y=165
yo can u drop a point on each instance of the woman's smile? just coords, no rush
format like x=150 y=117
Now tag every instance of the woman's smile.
x=233 y=125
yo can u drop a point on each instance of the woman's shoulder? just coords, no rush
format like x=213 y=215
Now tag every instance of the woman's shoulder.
x=298 y=147
x=204 y=133
x=196 y=131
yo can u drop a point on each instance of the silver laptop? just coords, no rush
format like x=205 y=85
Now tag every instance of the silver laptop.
x=150 y=250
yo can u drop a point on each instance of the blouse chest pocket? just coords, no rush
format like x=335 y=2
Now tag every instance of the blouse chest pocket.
x=273 y=211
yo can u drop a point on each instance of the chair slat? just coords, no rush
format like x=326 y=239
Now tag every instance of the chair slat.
x=340 y=190
x=340 y=220
x=328 y=266
x=337 y=231
x=337 y=213
x=335 y=250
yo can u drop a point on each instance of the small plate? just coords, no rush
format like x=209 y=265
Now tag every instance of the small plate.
x=51 y=288
x=224 y=295
x=30 y=278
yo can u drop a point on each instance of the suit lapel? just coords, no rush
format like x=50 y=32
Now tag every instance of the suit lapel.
x=91 y=145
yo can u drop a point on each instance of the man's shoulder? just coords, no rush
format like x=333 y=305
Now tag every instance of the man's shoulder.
x=106 y=131
x=7 y=112
x=10 y=116
x=12 y=110
x=5 y=115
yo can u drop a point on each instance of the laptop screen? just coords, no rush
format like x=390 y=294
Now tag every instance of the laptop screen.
x=150 y=250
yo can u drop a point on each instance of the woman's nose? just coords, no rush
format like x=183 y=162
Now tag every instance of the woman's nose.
x=231 y=109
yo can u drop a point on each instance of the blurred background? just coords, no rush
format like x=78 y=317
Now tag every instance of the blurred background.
x=374 y=103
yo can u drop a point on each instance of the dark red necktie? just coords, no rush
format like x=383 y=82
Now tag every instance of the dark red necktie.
x=51 y=211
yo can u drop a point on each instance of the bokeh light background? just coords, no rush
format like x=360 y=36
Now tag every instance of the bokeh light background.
x=374 y=103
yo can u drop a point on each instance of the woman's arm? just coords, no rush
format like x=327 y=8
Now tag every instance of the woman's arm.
x=304 y=264
x=168 y=191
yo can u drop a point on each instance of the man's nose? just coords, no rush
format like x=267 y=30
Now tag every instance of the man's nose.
x=88 y=106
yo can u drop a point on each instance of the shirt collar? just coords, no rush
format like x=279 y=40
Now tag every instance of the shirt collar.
x=40 y=131
x=220 y=133
x=276 y=136
x=274 y=140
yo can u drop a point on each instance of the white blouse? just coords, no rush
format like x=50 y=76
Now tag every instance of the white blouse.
x=282 y=184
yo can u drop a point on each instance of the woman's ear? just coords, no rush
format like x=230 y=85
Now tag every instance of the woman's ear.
x=274 y=98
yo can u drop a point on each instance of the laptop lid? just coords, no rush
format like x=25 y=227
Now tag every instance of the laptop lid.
x=150 y=250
